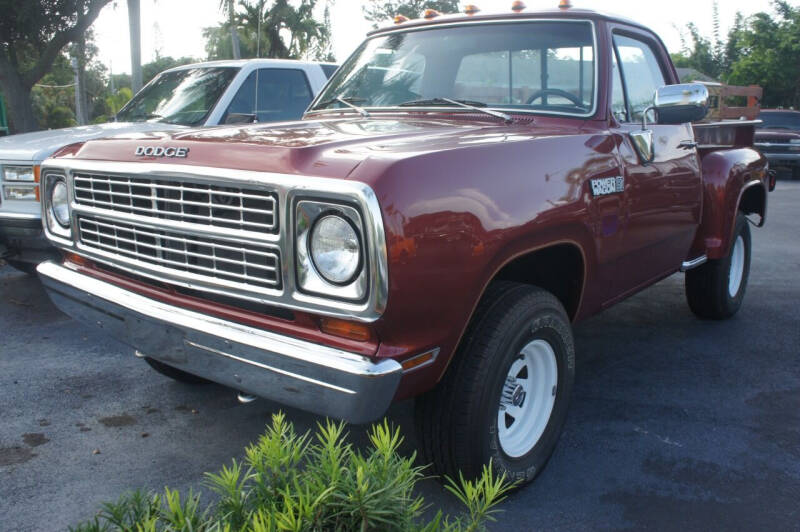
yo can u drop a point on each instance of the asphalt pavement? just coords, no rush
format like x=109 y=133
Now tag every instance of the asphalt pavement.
x=675 y=423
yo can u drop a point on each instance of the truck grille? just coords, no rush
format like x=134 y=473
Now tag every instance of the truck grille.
x=247 y=265
x=226 y=207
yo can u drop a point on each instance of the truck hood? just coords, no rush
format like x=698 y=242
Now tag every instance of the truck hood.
x=320 y=148
x=38 y=146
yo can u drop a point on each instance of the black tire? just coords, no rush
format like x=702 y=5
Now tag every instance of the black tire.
x=26 y=267
x=707 y=286
x=175 y=373
x=457 y=422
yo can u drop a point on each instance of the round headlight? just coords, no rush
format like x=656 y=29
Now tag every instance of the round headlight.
x=335 y=249
x=59 y=202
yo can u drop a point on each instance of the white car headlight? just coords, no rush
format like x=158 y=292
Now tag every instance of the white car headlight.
x=335 y=249
x=59 y=202
x=19 y=173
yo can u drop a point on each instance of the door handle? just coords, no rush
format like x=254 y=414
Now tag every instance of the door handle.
x=687 y=144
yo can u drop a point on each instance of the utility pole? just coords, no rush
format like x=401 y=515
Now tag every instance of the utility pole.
x=134 y=23
x=80 y=111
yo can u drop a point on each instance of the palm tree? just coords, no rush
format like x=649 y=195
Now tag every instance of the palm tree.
x=227 y=8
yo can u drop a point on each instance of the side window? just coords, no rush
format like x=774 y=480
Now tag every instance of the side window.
x=618 y=107
x=329 y=70
x=641 y=72
x=271 y=94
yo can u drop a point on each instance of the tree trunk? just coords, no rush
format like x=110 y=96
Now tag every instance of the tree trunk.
x=19 y=106
x=134 y=23
x=234 y=35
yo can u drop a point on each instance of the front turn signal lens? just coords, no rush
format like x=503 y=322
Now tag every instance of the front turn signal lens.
x=346 y=329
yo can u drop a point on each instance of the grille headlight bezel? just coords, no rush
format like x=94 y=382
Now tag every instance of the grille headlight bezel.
x=313 y=277
x=55 y=223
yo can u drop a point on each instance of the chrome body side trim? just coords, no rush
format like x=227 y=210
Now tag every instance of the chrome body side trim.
x=694 y=263
x=297 y=373
x=287 y=188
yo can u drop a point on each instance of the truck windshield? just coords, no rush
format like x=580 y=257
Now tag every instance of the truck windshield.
x=773 y=120
x=184 y=97
x=532 y=66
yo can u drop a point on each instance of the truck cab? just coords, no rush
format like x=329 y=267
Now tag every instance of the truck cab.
x=463 y=191
x=196 y=95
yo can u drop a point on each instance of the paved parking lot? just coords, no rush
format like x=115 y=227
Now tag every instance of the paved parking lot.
x=676 y=423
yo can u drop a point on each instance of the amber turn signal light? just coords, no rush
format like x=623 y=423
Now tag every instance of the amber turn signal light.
x=471 y=9
x=420 y=360
x=431 y=13
x=399 y=19
x=37 y=175
x=345 y=329
x=77 y=259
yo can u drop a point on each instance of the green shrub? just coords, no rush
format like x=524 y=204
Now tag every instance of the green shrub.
x=293 y=482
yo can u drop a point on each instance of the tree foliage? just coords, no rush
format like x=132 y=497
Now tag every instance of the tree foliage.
x=383 y=11
x=296 y=482
x=275 y=29
x=33 y=34
x=760 y=50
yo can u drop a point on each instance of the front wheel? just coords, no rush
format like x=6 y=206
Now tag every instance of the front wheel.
x=504 y=398
x=716 y=289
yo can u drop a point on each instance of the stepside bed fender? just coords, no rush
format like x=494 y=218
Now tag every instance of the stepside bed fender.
x=732 y=180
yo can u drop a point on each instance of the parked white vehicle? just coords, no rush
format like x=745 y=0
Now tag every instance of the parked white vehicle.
x=201 y=94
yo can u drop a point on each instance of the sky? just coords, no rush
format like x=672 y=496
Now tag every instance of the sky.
x=174 y=27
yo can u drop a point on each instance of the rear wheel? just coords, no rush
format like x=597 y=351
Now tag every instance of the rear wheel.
x=175 y=373
x=504 y=398
x=716 y=289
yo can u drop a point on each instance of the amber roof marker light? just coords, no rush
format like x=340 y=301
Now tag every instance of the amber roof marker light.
x=518 y=6
x=564 y=4
x=399 y=19
x=471 y=9
x=430 y=13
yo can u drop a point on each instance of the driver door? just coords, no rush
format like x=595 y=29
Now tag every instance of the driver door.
x=663 y=197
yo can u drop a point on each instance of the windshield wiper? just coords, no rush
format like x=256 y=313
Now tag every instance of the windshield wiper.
x=466 y=104
x=348 y=101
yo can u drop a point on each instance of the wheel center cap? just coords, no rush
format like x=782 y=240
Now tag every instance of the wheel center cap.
x=518 y=396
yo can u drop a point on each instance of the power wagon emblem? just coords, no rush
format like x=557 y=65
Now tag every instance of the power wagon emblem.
x=608 y=185
x=160 y=151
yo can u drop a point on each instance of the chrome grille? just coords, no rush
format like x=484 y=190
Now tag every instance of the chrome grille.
x=249 y=265
x=245 y=209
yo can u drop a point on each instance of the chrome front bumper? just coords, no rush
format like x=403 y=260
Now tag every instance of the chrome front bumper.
x=312 y=377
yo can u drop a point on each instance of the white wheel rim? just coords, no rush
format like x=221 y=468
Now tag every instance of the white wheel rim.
x=737 y=267
x=527 y=400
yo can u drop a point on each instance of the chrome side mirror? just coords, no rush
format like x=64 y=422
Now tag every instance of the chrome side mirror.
x=673 y=104
x=679 y=104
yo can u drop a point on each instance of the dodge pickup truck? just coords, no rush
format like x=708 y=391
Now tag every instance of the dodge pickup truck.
x=202 y=94
x=464 y=190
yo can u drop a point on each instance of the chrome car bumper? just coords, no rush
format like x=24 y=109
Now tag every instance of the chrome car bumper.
x=312 y=377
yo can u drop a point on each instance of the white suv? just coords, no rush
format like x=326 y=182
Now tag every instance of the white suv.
x=202 y=94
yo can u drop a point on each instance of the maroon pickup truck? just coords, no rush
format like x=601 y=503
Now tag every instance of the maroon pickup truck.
x=464 y=190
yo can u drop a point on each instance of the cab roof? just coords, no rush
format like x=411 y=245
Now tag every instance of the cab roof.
x=509 y=15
